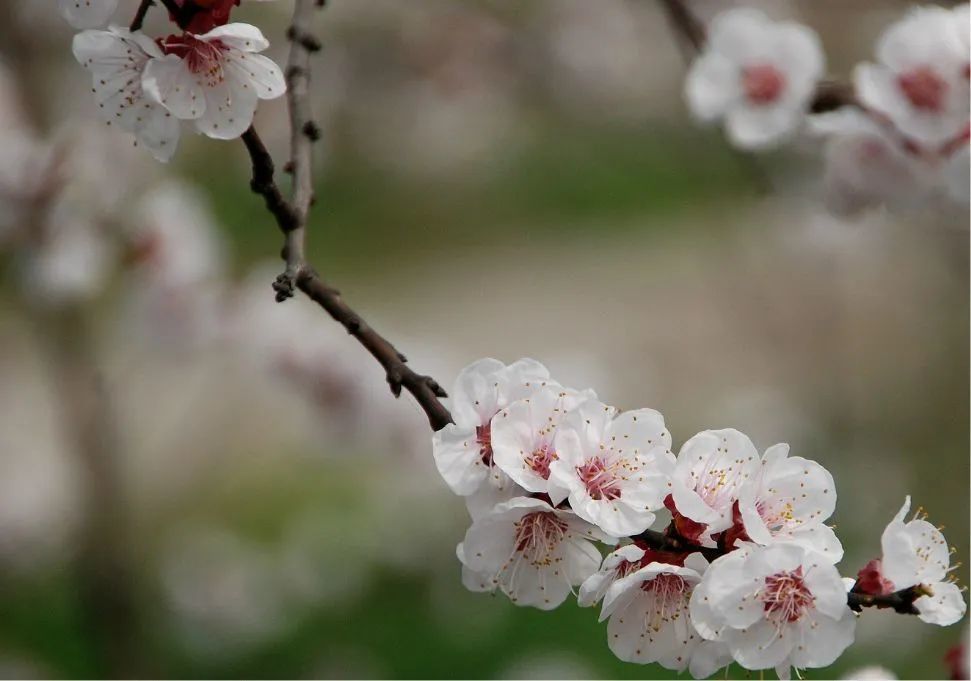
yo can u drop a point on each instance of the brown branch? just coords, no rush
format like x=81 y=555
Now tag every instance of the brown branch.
x=143 y=7
x=291 y=218
x=829 y=95
x=901 y=602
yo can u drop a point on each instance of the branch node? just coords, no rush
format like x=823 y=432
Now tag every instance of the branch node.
x=284 y=287
x=311 y=130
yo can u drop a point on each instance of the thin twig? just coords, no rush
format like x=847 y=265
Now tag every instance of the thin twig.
x=143 y=7
x=291 y=218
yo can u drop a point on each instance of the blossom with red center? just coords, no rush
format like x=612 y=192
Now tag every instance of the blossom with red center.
x=920 y=79
x=756 y=74
x=464 y=451
x=619 y=564
x=613 y=467
x=117 y=59
x=649 y=617
x=523 y=434
x=915 y=552
x=712 y=470
x=779 y=606
x=532 y=552
x=214 y=79
x=790 y=500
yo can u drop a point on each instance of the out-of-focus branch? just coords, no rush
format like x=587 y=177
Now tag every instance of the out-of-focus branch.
x=143 y=7
x=291 y=218
x=829 y=95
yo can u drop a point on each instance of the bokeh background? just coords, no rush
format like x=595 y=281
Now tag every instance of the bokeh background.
x=196 y=482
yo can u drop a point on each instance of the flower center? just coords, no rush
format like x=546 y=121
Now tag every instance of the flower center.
x=204 y=58
x=924 y=88
x=669 y=600
x=599 y=479
x=538 y=535
x=762 y=83
x=483 y=438
x=786 y=597
x=539 y=461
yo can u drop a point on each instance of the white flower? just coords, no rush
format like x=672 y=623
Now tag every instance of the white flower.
x=789 y=501
x=615 y=566
x=463 y=450
x=650 y=622
x=523 y=433
x=533 y=552
x=776 y=606
x=866 y=165
x=117 y=59
x=613 y=467
x=215 y=79
x=757 y=74
x=712 y=469
x=921 y=80
x=87 y=13
x=914 y=553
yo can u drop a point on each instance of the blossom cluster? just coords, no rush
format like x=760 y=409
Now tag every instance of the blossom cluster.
x=903 y=141
x=210 y=73
x=744 y=570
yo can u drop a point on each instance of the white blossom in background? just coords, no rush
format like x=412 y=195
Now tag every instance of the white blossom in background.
x=534 y=553
x=523 y=434
x=650 y=622
x=463 y=450
x=789 y=502
x=915 y=552
x=920 y=82
x=215 y=79
x=866 y=166
x=175 y=241
x=712 y=469
x=775 y=607
x=117 y=59
x=870 y=673
x=615 y=566
x=612 y=467
x=757 y=74
x=87 y=13
x=70 y=262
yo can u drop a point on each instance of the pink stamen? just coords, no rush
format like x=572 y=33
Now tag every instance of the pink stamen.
x=924 y=88
x=786 y=597
x=599 y=479
x=483 y=438
x=762 y=83
x=540 y=460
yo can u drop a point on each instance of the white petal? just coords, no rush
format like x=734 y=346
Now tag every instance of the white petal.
x=257 y=72
x=828 y=590
x=475 y=394
x=240 y=36
x=457 y=458
x=822 y=640
x=169 y=82
x=707 y=658
x=760 y=646
x=229 y=110
x=712 y=86
x=760 y=127
x=87 y=13
x=158 y=132
x=945 y=607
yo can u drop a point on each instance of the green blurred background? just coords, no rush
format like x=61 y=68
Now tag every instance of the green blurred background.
x=496 y=179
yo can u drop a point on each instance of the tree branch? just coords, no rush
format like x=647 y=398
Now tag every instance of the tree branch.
x=829 y=95
x=291 y=218
x=136 y=23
